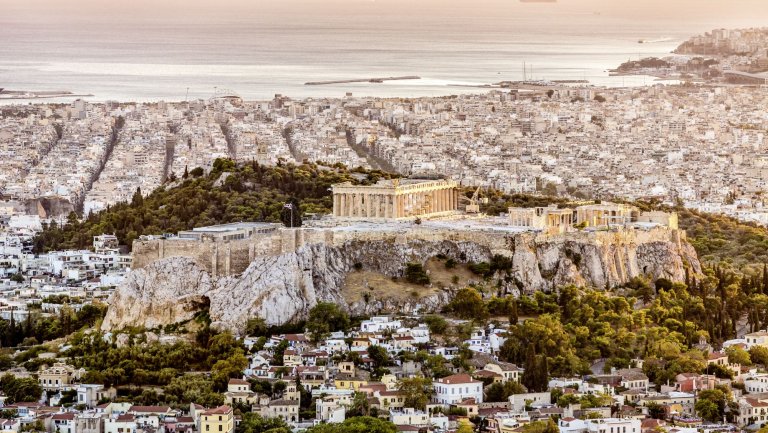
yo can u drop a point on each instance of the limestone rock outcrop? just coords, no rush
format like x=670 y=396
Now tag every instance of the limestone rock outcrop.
x=284 y=287
x=163 y=293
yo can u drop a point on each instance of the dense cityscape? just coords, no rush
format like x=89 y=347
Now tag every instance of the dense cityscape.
x=534 y=257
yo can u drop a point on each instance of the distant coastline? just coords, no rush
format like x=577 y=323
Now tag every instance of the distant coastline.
x=26 y=94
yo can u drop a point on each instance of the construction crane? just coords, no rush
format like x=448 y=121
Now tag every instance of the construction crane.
x=473 y=203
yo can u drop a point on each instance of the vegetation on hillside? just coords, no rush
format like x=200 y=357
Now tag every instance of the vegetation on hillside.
x=229 y=193
x=37 y=327
x=719 y=238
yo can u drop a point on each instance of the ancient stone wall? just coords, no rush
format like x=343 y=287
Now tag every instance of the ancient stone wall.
x=218 y=258
x=224 y=258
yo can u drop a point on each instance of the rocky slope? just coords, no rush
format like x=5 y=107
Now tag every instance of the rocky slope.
x=284 y=287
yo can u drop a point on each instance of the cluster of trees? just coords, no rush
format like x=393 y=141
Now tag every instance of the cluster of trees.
x=569 y=329
x=723 y=239
x=139 y=362
x=324 y=318
x=648 y=62
x=36 y=328
x=250 y=192
x=26 y=389
x=712 y=403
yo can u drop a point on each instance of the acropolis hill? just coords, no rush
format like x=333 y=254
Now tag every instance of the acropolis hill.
x=267 y=270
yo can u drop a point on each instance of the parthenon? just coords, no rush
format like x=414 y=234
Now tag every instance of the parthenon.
x=394 y=199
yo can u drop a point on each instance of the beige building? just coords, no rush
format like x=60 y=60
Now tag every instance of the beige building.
x=58 y=376
x=287 y=410
x=217 y=420
x=394 y=199
x=239 y=391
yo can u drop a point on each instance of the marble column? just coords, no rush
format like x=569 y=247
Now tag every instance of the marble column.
x=443 y=200
x=368 y=205
x=342 y=205
x=358 y=205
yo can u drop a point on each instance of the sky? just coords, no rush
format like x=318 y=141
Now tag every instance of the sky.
x=168 y=9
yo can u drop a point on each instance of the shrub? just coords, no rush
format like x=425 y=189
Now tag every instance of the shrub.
x=415 y=274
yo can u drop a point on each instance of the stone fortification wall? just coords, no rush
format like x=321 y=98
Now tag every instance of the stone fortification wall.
x=224 y=258
x=218 y=258
x=280 y=276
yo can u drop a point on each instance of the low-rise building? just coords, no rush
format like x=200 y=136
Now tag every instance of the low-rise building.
x=454 y=389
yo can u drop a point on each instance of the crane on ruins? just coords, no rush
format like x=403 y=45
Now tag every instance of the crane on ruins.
x=473 y=203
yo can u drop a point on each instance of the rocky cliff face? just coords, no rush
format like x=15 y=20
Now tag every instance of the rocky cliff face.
x=284 y=287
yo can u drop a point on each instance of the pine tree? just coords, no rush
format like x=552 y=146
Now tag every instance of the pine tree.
x=765 y=278
x=137 y=200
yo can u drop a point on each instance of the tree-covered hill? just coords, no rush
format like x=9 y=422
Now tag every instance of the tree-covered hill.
x=719 y=238
x=229 y=193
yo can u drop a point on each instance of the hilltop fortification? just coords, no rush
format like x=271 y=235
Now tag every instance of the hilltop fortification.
x=279 y=273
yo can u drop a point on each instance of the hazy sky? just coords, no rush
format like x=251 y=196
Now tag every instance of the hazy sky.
x=170 y=9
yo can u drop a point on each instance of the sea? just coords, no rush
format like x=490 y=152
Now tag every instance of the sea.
x=177 y=50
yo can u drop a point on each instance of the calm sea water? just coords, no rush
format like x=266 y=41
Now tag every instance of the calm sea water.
x=261 y=48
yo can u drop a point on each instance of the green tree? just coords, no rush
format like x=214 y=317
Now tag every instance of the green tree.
x=759 y=355
x=379 y=356
x=20 y=390
x=192 y=388
x=712 y=403
x=417 y=391
x=540 y=427
x=360 y=405
x=738 y=355
x=415 y=274
x=278 y=352
x=498 y=392
x=363 y=424
x=256 y=327
x=656 y=410
x=437 y=324
x=254 y=423
x=137 y=200
x=468 y=304
x=324 y=318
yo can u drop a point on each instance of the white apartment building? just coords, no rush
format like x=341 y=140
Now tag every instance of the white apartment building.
x=457 y=388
